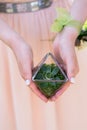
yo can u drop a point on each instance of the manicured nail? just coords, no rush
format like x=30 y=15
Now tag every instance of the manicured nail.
x=27 y=82
x=72 y=80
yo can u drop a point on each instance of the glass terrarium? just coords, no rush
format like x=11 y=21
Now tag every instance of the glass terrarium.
x=48 y=76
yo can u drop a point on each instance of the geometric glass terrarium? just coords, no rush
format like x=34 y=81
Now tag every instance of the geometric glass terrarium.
x=48 y=76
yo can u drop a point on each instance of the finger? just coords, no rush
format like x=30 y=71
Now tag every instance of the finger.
x=56 y=49
x=72 y=65
x=68 y=55
x=26 y=70
x=25 y=62
x=35 y=89
x=57 y=54
x=63 y=66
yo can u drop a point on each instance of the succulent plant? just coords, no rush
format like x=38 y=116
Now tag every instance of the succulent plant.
x=49 y=79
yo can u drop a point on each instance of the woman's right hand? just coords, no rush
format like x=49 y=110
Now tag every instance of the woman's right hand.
x=23 y=54
x=24 y=58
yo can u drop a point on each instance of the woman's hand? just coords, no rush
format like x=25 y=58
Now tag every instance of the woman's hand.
x=64 y=50
x=23 y=53
x=24 y=58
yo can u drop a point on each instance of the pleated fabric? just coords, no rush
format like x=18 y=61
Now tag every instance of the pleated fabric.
x=20 y=108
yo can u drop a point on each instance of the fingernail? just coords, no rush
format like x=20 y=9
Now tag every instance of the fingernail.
x=27 y=82
x=72 y=80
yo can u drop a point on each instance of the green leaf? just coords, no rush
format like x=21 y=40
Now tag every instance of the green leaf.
x=62 y=20
x=49 y=72
x=85 y=26
x=55 y=71
x=48 y=69
x=56 y=26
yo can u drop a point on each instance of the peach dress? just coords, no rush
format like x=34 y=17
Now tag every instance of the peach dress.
x=20 y=108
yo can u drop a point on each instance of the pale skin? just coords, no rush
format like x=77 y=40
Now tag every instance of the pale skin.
x=63 y=46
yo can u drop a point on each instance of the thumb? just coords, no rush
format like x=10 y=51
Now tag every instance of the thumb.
x=24 y=58
x=26 y=67
x=26 y=71
x=72 y=66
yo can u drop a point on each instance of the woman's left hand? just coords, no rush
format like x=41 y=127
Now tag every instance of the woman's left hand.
x=64 y=50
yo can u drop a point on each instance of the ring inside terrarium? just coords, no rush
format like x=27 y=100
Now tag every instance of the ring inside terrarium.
x=49 y=76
